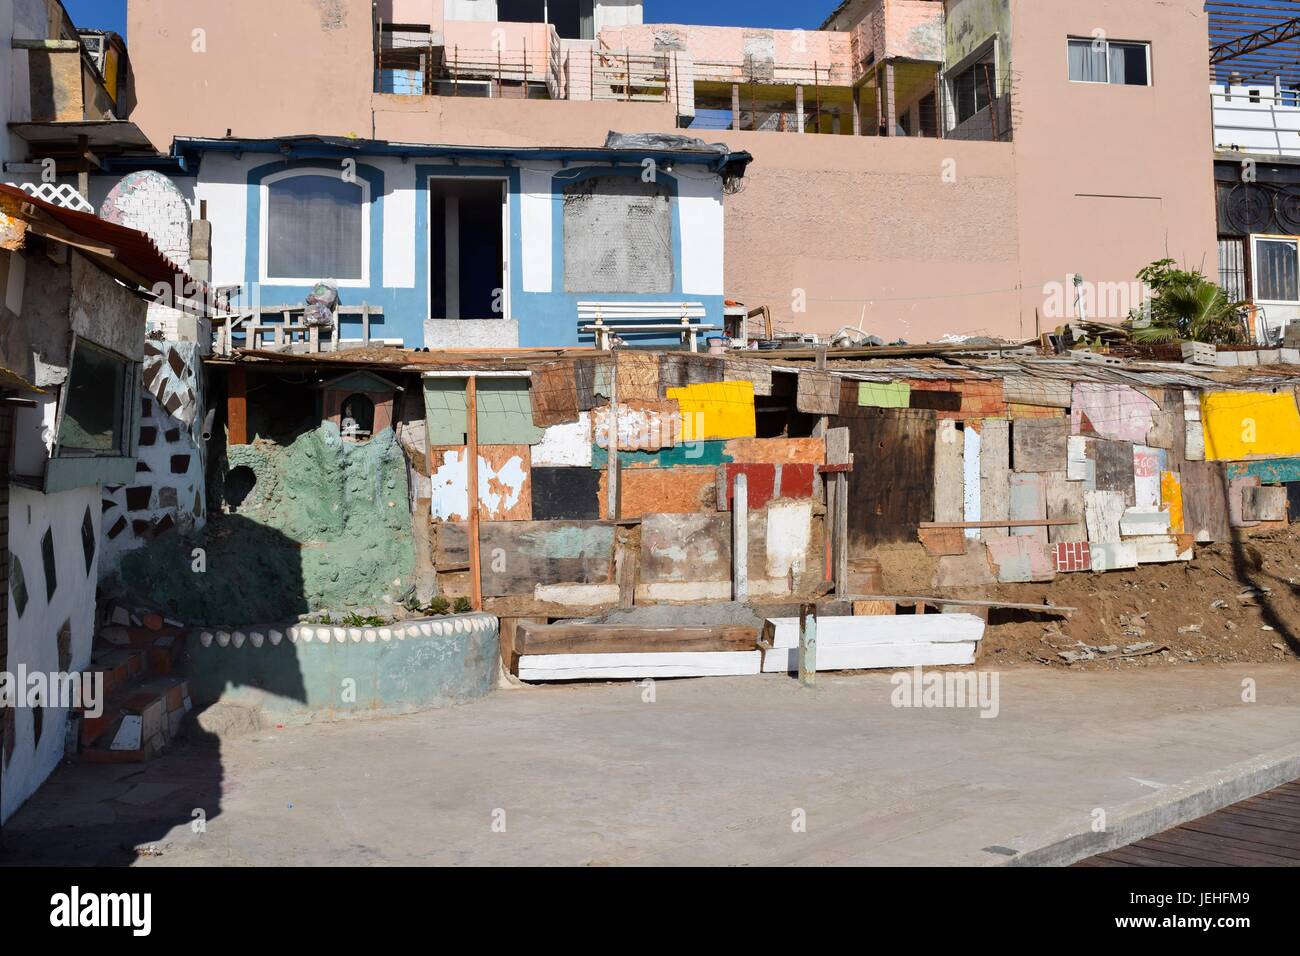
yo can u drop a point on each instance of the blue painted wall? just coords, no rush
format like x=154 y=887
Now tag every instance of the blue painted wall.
x=545 y=318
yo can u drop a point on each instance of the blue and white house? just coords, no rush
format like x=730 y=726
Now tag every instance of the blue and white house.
x=468 y=247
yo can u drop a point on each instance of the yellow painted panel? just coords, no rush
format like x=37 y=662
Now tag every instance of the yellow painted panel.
x=1171 y=498
x=1242 y=425
x=713 y=410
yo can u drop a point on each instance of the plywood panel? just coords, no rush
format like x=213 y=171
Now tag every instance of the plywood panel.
x=1028 y=501
x=519 y=555
x=1114 y=467
x=1242 y=425
x=504 y=483
x=818 y=393
x=891 y=487
x=1205 y=502
x=716 y=410
x=995 y=475
x=949 y=472
x=1065 y=501
x=1039 y=445
x=565 y=493
x=553 y=392
x=1103 y=511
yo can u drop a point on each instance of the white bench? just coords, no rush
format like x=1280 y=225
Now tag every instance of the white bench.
x=604 y=319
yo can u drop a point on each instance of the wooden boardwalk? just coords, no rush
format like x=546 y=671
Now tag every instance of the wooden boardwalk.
x=1261 y=831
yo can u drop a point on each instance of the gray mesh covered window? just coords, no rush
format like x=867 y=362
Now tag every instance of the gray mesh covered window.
x=315 y=228
x=618 y=236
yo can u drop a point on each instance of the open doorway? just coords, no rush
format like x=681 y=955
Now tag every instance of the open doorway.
x=467 y=249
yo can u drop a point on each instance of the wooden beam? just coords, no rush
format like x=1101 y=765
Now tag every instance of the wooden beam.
x=1011 y=523
x=959 y=602
x=578 y=638
x=236 y=407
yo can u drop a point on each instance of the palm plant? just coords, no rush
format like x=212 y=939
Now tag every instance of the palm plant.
x=1186 y=306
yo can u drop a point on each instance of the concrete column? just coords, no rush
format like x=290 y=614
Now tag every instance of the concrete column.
x=857 y=111
x=798 y=108
x=735 y=106
x=891 y=108
x=451 y=277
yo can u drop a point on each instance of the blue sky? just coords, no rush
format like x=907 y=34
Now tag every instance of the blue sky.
x=111 y=14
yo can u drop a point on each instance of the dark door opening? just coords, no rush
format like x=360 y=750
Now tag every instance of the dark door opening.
x=467 y=249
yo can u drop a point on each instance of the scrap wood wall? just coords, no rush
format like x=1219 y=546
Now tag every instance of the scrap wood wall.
x=1105 y=476
x=684 y=428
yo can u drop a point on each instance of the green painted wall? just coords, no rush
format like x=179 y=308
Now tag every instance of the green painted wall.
x=691 y=453
x=325 y=527
x=305 y=681
x=505 y=412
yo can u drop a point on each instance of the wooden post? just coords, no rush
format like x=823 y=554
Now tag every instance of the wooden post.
x=365 y=324
x=817 y=96
x=627 y=65
x=471 y=481
x=841 y=534
x=236 y=407
x=83 y=173
x=611 y=437
x=455 y=70
x=808 y=645
x=740 y=539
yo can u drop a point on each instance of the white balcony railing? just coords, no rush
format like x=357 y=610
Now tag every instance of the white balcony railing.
x=1263 y=120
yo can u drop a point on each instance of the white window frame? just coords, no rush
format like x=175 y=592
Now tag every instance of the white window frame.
x=1255 y=240
x=1146 y=44
x=506 y=262
x=264 y=192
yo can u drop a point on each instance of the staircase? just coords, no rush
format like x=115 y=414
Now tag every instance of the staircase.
x=144 y=703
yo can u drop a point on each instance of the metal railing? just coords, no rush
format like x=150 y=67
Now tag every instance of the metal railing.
x=1263 y=120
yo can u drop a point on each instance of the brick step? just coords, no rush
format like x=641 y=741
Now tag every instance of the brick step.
x=138 y=721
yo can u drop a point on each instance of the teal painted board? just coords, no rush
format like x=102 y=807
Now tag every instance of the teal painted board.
x=697 y=453
x=1268 y=471
x=505 y=412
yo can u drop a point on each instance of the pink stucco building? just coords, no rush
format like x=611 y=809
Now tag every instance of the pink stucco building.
x=921 y=167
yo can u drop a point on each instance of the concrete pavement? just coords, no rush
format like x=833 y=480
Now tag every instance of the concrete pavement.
x=713 y=771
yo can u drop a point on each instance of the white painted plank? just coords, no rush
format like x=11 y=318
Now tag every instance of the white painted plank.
x=1113 y=555
x=971 y=474
x=995 y=475
x=1144 y=521
x=1103 y=511
x=1158 y=549
x=881 y=629
x=949 y=493
x=863 y=656
x=542 y=667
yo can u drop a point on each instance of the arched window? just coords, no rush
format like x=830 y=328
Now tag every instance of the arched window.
x=315 y=227
x=357 y=416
